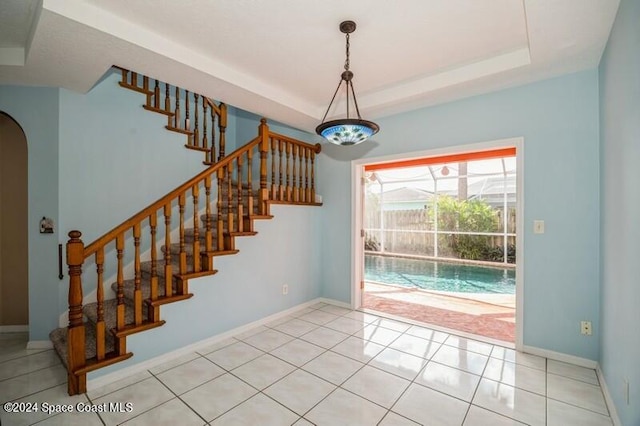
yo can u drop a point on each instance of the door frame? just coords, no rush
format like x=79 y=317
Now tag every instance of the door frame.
x=357 y=239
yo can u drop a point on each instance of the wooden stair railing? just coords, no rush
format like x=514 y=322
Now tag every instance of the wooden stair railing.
x=286 y=175
x=203 y=134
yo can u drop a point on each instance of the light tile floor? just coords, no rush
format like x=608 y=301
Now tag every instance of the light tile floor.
x=323 y=365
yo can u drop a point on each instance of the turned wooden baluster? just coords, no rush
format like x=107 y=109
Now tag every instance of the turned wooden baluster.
x=168 y=275
x=288 y=171
x=312 y=197
x=187 y=123
x=145 y=87
x=137 y=293
x=230 y=215
x=176 y=117
x=273 y=168
x=222 y=127
x=205 y=140
x=195 y=192
x=75 y=332
x=250 y=184
x=220 y=223
x=153 y=284
x=208 y=237
x=300 y=175
x=196 y=130
x=294 y=179
x=156 y=95
x=307 y=195
x=183 y=253
x=167 y=102
x=263 y=196
x=281 y=171
x=100 y=326
x=240 y=209
x=120 y=282
x=212 y=155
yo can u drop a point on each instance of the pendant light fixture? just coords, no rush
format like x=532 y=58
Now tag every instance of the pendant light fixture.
x=346 y=131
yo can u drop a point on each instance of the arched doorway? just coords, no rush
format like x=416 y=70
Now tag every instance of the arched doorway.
x=14 y=279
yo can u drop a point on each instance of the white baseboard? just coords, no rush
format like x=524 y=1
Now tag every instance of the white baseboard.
x=334 y=302
x=39 y=344
x=13 y=328
x=613 y=413
x=107 y=379
x=558 y=356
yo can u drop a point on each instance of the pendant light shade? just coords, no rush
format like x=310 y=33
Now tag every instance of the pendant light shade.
x=346 y=131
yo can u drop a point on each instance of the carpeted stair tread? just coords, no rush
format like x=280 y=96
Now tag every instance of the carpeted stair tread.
x=110 y=312
x=188 y=235
x=129 y=287
x=60 y=342
x=145 y=268
x=175 y=249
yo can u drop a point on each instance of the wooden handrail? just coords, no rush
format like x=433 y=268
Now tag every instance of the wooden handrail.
x=152 y=208
x=316 y=148
x=213 y=105
x=166 y=281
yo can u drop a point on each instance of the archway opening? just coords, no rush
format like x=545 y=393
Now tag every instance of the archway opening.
x=14 y=270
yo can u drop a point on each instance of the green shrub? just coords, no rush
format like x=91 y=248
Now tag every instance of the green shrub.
x=468 y=216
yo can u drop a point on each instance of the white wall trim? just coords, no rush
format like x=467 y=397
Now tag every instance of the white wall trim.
x=123 y=373
x=13 y=328
x=357 y=195
x=334 y=302
x=39 y=344
x=613 y=413
x=558 y=356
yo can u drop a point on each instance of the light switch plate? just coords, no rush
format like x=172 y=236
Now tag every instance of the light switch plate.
x=538 y=226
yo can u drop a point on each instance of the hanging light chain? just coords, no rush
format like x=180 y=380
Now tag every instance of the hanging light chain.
x=349 y=131
x=346 y=62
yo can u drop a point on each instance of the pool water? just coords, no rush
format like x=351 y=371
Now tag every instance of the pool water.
x=439 y=276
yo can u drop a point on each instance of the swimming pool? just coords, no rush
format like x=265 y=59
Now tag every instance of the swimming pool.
x=439 y=276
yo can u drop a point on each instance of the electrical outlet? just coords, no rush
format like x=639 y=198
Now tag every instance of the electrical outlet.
x=285 y=289
x=585 y=328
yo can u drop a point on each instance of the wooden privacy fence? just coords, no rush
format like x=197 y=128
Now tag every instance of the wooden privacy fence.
x=413 y=231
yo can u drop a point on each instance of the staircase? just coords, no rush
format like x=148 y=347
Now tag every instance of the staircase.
x=178 y=237
x=202 y=116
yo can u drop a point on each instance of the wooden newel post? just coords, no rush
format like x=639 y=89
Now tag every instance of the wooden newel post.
x=76 y=345
x=263 y=196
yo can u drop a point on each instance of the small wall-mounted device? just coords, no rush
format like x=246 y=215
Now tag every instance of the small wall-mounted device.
x=46 y=225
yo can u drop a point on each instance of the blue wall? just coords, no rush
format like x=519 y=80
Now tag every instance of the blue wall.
x=36 y=110
x=95 y=159
x=115 y=158
x=620 y=210
x=558 y=120
x=247 y=287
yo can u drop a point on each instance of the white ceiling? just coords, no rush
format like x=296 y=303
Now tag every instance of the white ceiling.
x=283 y=58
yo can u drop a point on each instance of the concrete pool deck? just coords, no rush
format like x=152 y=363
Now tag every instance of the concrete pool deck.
x=489 y=315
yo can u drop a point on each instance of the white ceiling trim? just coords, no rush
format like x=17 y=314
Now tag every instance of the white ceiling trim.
x=106 y=22
x=281 y=58
x=425 y=85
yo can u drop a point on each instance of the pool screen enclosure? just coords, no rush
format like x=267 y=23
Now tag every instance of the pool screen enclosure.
x=459 y=206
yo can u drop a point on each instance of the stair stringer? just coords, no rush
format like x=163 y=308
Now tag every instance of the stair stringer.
x=247 y=287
